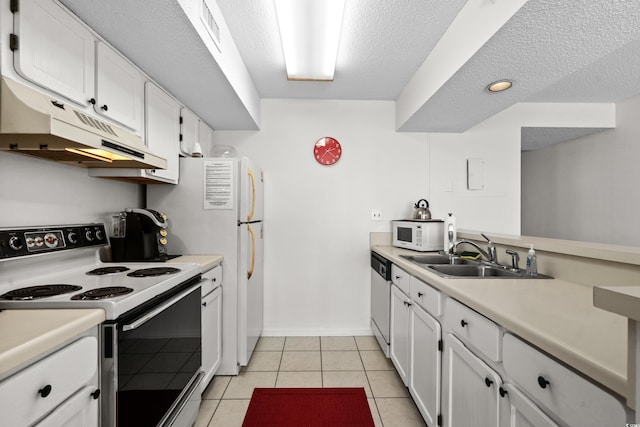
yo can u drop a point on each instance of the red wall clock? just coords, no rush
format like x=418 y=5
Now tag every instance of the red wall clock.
x=327 y=151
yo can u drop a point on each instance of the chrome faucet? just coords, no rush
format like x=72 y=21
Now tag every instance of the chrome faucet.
x=489 y=254
x=515 y=257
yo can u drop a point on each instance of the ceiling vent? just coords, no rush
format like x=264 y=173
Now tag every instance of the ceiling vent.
x=210 y=24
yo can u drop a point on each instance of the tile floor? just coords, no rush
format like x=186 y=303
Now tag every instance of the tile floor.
x=312 y=362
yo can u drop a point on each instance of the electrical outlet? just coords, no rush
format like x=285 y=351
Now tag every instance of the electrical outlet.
x=376 y=215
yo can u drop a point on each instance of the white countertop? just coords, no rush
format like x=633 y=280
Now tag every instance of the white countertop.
x=623 y=300
x=555 y=315
x=25 y=334
x=207 y=262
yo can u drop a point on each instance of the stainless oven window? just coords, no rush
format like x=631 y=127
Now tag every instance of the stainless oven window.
x=405 y=234
x=158 y=356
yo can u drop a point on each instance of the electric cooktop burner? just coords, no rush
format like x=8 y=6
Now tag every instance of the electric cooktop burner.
x=107 y=270
x=102 y=293
x=154 y=271
x=41 y=291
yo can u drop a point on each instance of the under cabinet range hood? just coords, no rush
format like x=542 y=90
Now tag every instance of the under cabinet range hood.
x=33 y=123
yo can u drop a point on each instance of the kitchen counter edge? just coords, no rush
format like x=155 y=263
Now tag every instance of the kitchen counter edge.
x=26 y=334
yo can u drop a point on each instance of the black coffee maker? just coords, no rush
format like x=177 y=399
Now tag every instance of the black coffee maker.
x=145 y=237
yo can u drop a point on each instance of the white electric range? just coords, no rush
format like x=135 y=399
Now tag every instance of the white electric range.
x=151 y=308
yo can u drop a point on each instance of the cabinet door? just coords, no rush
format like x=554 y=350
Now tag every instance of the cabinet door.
x=55 y=51
x=80 y=410
x=211 y=334
x=189 y=124
x=399 y=335
x=424 y=383
x=119 y=88
x=162 y=131
x=205 y=137
x=470 y=388
x=522 y=412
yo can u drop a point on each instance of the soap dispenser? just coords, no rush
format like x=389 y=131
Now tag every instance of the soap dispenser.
x=450 y=234
x=532 y=262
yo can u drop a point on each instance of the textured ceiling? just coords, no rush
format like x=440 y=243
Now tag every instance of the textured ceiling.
x=572 y=51
x=381 y=47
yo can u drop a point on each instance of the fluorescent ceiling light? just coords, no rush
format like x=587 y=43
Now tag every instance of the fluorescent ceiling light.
x=310 y=33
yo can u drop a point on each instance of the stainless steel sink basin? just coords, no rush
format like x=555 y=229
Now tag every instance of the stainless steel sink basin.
x=473 y=271
x=431 y=259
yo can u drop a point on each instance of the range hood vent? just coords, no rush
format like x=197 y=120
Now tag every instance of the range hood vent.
x=35 y=124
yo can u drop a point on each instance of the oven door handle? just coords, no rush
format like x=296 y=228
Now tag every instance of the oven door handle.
x=153 y=313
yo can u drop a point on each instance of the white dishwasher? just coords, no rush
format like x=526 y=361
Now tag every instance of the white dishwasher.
x=211 y=324
x=380 y=299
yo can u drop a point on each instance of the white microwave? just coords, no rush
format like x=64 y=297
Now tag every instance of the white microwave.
x=418 y=234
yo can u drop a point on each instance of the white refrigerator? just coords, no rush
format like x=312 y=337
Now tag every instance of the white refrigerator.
x=217 y=208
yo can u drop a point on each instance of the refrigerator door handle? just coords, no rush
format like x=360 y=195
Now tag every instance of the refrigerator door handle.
x=253 y=194
x=253 y=251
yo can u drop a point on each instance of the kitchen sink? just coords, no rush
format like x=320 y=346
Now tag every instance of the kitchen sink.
x=430 y=259
x=481 y=271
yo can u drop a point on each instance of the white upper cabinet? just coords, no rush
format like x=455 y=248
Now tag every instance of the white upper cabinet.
x=53 y=50
x=205 y=137
x=119 y=88
x=162 y=131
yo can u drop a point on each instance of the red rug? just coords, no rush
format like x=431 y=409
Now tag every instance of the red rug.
x=308 y=407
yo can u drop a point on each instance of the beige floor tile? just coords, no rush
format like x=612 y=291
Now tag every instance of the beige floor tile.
x=368 y=342
x=337 y=343
x=230 y=413
x=374 y=412
x=302 y=343
x=270 y=344
x=264 y=361
x=216 y=387
x=346 y=379
x=375 y=360
x=341 y=361
x=299 y=379
x=300 y=361
x=399 y=412
x=241 y=386
x=386 y=384
x=207 y=408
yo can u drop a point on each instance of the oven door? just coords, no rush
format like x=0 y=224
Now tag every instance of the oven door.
x=151 y=365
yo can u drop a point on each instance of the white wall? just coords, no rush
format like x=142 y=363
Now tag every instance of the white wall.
x=40 y=192
x=587 y=189
x=317 y=219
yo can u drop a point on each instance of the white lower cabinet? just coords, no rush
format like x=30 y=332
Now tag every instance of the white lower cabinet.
x=566 y=395
x=400 y=318
x=60 y=389
x=211 y=324
x=522 y=412
x=471 y=395
x=426 y=357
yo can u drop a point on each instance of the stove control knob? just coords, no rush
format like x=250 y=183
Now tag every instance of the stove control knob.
x=39 y=241
x=163 y=233
x=72 y=237
x=15 y=243
x=51 y=240
x=163 y=241
x=89 y=235
x=99 y=235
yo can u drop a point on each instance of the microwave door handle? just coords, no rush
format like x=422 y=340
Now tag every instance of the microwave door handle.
x=153 y=313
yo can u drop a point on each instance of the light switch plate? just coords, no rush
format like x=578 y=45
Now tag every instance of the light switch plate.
x=376 y=215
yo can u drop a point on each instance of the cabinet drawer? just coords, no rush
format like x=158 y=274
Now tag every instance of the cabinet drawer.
x=473 y=328
x=400 y=278
x=23 y=396
x=564 y=393
x=211 y=280
x=426 y=296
